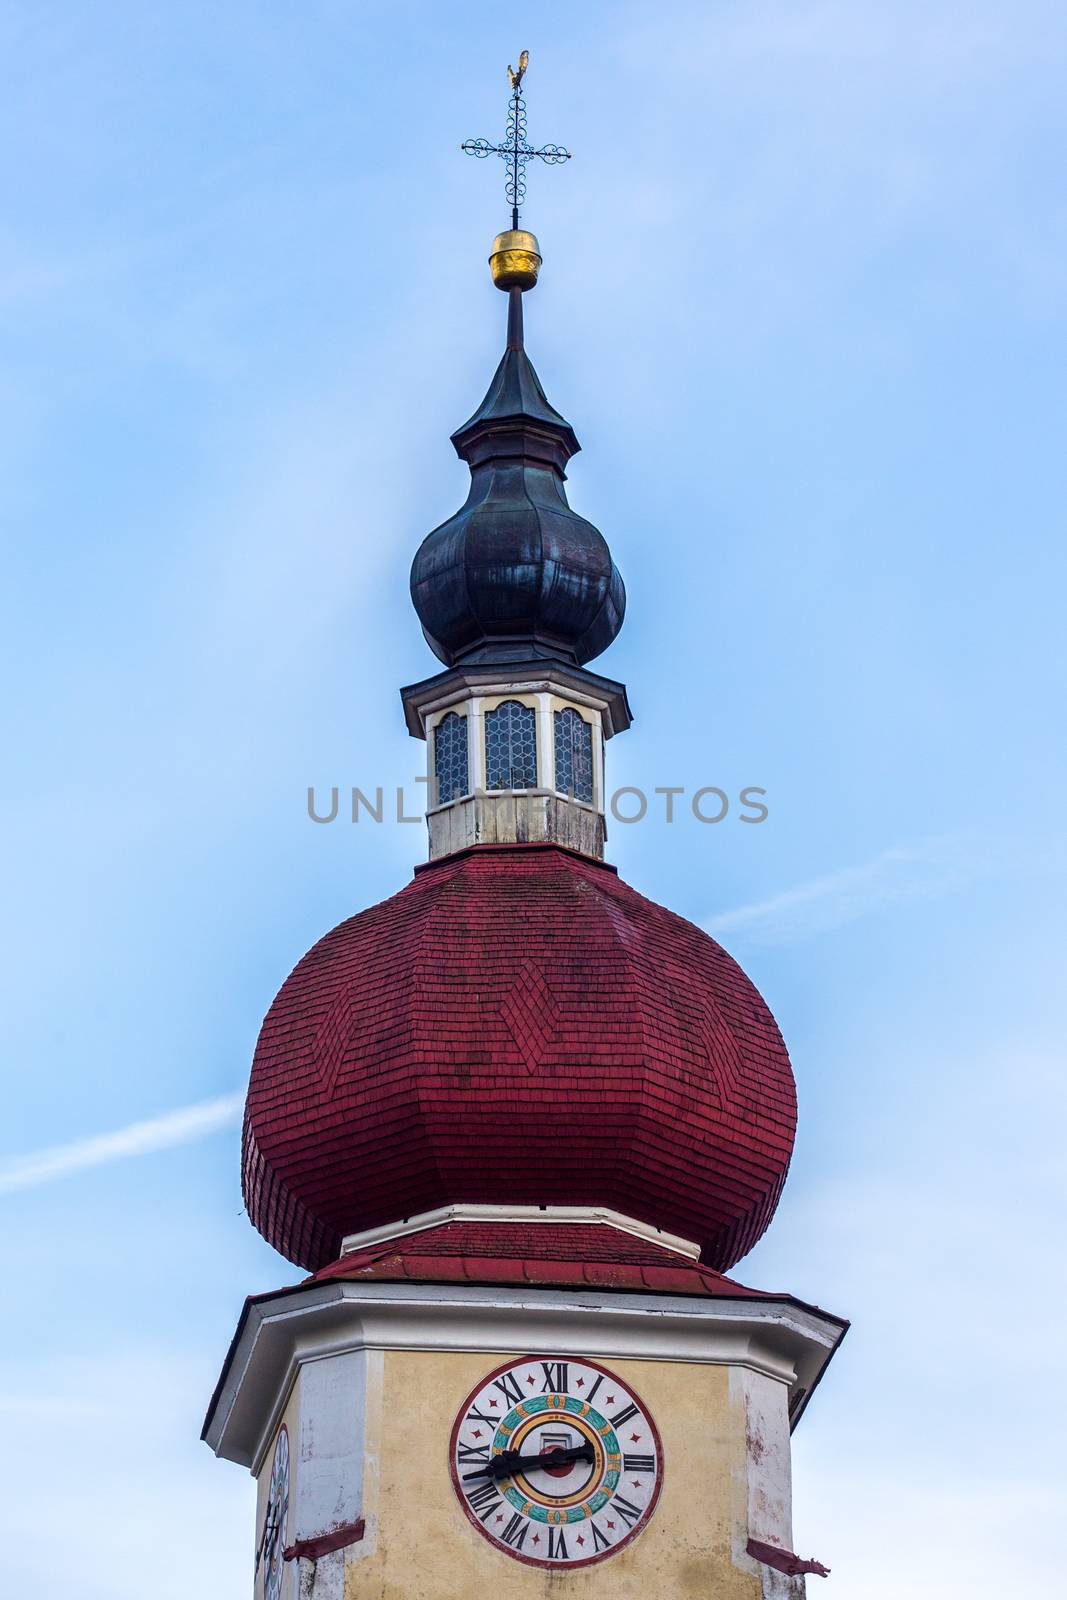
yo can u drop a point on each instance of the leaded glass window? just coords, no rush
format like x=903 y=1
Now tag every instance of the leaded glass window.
x=574 y=755
x=510 y=747
x=450 y=757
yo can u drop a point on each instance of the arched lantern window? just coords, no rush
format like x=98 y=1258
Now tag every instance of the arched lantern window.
x=510 y=747
x=574 y=755
x=450 y=758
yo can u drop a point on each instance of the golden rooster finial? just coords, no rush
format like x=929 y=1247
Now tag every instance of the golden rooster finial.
x=515 y=78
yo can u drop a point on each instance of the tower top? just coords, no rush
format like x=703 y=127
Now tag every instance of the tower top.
x=516 y=575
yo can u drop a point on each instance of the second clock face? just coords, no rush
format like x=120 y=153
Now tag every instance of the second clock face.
x=276 y=1520
x=587 y=1503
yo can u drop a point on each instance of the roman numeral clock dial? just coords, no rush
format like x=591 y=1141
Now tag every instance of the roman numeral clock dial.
x=272 y=1540
x=556 y=1462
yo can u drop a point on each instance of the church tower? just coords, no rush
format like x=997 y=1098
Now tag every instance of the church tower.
x=517 y=1124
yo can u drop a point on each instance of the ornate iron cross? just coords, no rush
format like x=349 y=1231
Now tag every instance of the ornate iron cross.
x=516 y=149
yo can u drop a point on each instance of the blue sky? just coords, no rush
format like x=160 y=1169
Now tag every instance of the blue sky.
x=805 y=302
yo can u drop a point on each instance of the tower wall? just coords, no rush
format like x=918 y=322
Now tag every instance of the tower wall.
x=725 y=1439
x=370 y=1393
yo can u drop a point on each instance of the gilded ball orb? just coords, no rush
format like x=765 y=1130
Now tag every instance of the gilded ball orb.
x=515 y=260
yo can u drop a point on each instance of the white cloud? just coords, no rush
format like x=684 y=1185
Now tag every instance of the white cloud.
x=907 y=872
x=137 y=1139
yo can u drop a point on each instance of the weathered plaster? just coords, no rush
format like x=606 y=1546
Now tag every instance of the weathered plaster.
x=368 y=1378
x=325 y=1417
x=423 y=1547
x=768 y=1472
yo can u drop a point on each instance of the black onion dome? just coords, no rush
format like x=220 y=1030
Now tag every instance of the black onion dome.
x=516 y=573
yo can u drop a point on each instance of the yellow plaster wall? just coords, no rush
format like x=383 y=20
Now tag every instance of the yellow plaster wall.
x=422 y=1546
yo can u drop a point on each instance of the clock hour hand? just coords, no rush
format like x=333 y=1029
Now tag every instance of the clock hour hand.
x=508 y=1462
x=268 y=1529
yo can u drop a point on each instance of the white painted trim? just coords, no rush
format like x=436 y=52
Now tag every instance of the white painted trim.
x=546 y=766
x=561 y=688
x=778 y=1338
x=526 y=1214
x=476 y=748
x=486 y=689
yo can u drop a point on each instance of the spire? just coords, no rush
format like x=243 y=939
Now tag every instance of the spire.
x=515 y=398
x=515 y=593
x=516 y=574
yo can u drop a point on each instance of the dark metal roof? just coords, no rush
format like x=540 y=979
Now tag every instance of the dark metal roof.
x=516 y=573
x=515 y=394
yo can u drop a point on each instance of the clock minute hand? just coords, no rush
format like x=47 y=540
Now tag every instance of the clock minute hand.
x=509 y=1462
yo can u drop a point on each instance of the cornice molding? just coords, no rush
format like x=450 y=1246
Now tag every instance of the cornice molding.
x=527 y=1215
x=779 y=1338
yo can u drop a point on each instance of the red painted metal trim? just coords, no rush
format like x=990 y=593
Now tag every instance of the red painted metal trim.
x=784 y=1560
x=312 y=1549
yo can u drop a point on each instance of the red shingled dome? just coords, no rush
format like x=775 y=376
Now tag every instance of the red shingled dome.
x=517 y=1026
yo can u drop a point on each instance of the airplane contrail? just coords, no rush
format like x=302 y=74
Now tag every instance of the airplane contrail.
x=138 y=1138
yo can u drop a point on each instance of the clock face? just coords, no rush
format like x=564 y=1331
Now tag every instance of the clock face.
x=275 y=1521
x=589 y=1503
